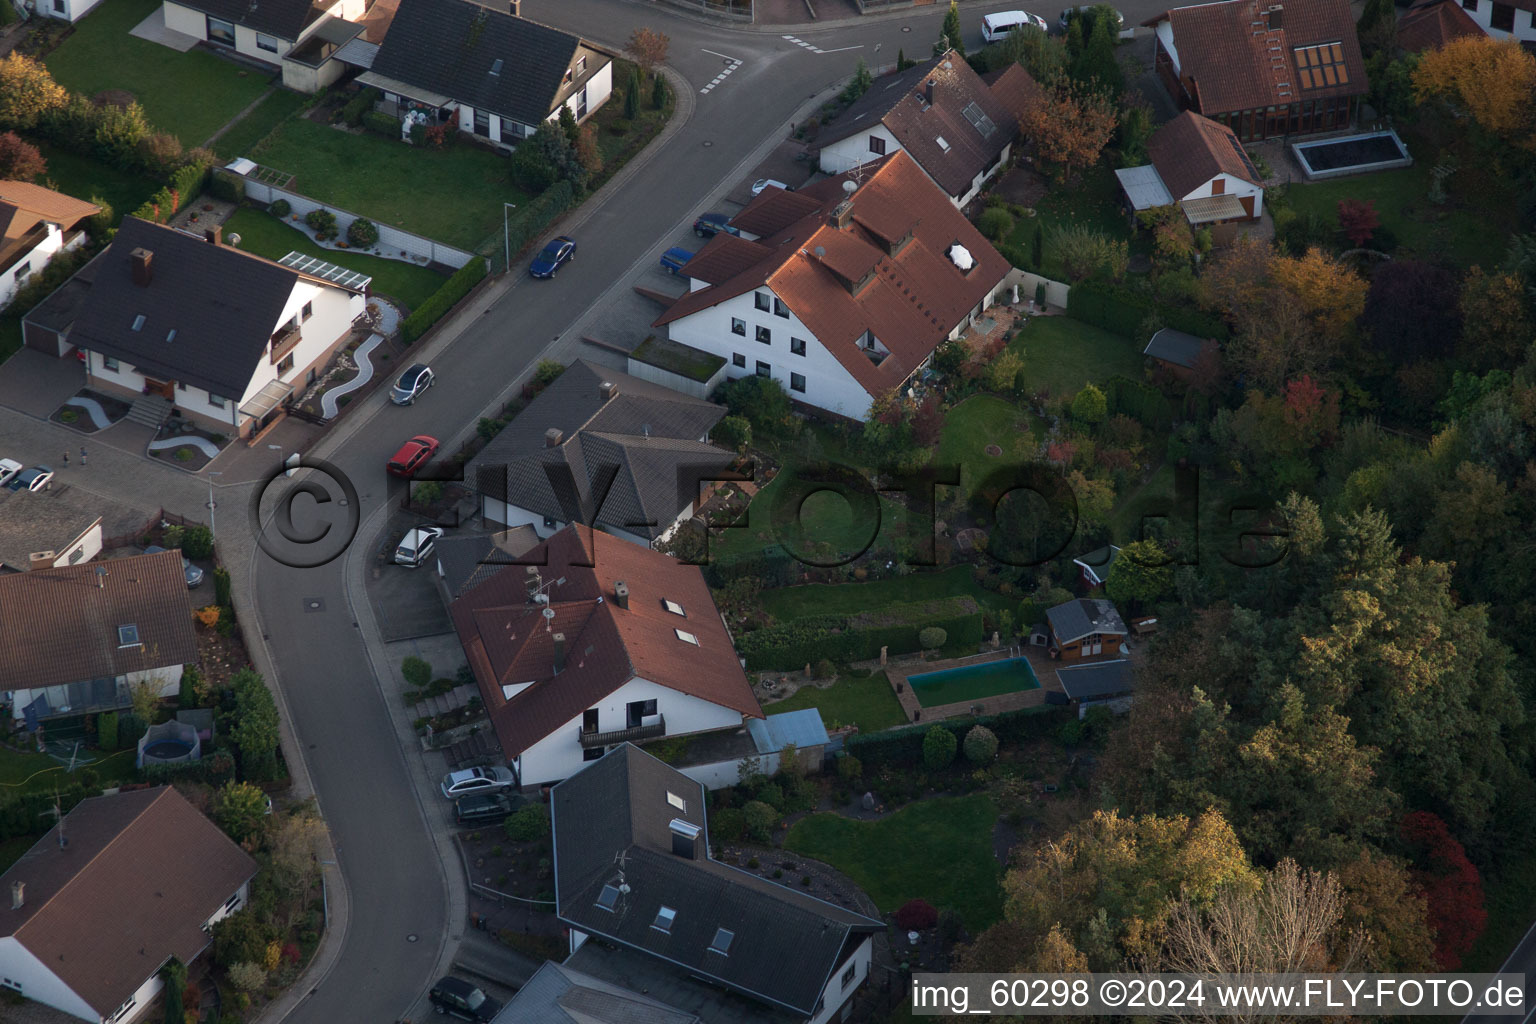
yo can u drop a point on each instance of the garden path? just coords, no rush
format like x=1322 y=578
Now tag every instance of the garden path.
x=232 y=121
x=364 y=374
x=202 y=444
x=93 y=409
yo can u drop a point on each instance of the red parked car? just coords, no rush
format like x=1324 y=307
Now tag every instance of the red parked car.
x=413 y=455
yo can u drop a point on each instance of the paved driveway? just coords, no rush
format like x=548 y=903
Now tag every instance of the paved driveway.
x=36 y=383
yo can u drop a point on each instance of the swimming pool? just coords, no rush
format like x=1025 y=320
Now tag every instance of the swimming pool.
x=973 y=682
x=1351 y=154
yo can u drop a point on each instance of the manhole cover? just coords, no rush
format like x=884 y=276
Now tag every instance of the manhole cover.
x=993 y=450
x=906 y=28
x=314 y=604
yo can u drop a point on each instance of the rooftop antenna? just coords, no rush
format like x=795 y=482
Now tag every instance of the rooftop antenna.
x=538 y=589
x=623 y=886
x=549 y=617
x=59 y=813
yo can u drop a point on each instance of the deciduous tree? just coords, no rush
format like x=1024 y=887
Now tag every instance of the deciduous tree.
x=1452 y=887
x=1382 y=903
x=239 y=808
x=1358 y=218
x=27 y=91
x=1410 y=311
x=1142 y=572
x=1493 y=80
x=648 y=48
x=1496 y=327
x=1070 y=128
x=19 y=159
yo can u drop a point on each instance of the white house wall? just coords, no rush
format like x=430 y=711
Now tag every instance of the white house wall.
x=65 y=10
x=1165 y=36
x=86 y=547
x=720 y=774
x=185 y=20
x=828 y=385
x=836 y=993
x=559 y=754
x=334 y=311
x=509 y=515
x=846 y=154
x=35 y=981
x=134 y=1009
x=1230 y=186
x=34 y=261
x=1525 y=22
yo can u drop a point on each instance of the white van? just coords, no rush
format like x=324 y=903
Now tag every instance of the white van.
x=996 y=26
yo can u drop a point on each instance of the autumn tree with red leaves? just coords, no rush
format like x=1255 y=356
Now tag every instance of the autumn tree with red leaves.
x=19 y=159
x=1359 y=220
x=1451 y=886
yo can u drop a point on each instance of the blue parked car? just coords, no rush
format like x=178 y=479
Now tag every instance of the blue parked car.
x=559 y=251
x=673 y=260
x=708 y=225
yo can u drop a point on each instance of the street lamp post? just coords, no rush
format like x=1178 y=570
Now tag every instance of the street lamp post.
x=213 y=526
x=506 y=231
x=287 y=471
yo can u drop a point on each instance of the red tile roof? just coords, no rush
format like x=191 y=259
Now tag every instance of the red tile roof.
x=24 y=207
x=508 y=641
x=1190 y=150
x=1231 y=59
x=915 y=294
x=1429 y=26
x=728 y=257
x=1015 y=90
x=140 y=874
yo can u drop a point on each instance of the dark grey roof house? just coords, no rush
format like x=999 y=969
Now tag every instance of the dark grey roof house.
x=1097 y=681
x=559 y=995
x=1176 y=348
x=463 y=560
x=632 y=866
x=604 y=449
x=500 y=74
x=1088 y=622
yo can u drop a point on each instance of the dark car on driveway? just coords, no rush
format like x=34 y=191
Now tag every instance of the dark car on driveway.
x=709 y=225
x=481 y=808
x=412 y=455
x=193 y=573
x=412 y=384
x=552 y=257
x=460 y=998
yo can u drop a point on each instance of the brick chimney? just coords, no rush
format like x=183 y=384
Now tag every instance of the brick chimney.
x=607 y=389
x=553 y=436
x=214 y=235
x=42 y=559
x=143 y=266
x=18 y=895
x=621 y=594
x=559 y=639
x=928 y=91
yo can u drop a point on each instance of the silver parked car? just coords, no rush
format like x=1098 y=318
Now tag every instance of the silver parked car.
x=494 y=779
x=417 y=546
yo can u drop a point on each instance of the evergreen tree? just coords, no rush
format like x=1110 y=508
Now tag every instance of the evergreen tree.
x=952 y=28
x=1037 y=251
x=568 y=125
x=1377 y=26
x=658 y=92
x=902 y=63
x=632 y=97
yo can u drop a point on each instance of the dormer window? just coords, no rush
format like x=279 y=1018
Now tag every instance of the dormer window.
x=138 y=322
x=664 y=918
x=686 y=637
x=581 y=65
x=674 y=608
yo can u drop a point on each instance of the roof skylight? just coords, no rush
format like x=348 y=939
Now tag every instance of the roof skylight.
x=664 y=918
x=673 y=607
x=686 y=637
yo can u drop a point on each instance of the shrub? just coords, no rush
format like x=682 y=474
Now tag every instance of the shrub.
x=227 y=185
x=728 y=825
x=761 y=820
x=939 y=748
x=995 y=223
x=546 y=373
x=1123 y=312
x=1090 y=405
x=221 y=586
x=733 y=432
x=528 y=823
x=382 y=123
x=428 y=492
x=442 y=300
x=247 y=976
x=160 y=154
x=417 y=671
x=916 y=915
x=358 y=106
x=321 y=221
x=930 y=637
x=980 y=745
x=197 y=542
x=363 y=233
x=772 y=794
x=823 y=669
x=849 y=768
x=529 y=170
x=280 y=209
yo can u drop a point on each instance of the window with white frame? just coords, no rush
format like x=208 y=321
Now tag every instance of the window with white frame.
x=109 y=364
x=686 y=637
x=221 y=31
x=738 y=326
x=267 y=43
x=217 y=401
x=851 y=973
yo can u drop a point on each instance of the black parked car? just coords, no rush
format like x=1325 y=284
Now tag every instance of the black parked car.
x=710 y=224
x=460 y=998
x=480 y=808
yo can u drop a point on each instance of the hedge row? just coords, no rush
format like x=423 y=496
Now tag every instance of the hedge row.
x=1124 y=312
x=837 y=638
x=1141 y=402
x=903 y=748
x=32 y=813
x=531 y=220
x=442 y=300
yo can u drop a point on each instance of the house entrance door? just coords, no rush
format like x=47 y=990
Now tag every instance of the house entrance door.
x=163 y=388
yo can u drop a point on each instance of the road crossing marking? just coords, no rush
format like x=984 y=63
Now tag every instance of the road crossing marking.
x=731 y=64
x=801 y=42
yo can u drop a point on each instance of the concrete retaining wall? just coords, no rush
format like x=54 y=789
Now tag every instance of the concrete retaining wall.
x=676 y=381
x=392 y=240
x=1055 y=291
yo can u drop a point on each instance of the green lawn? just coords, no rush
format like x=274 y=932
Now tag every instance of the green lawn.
x=12 y=849
x=31 y=773
x=1094 y=200
x=1062 y=354
x=851 y=598
x=982 y=420
x=265 y=235
x=828 y=527
x=938 y=850
x=244 y=134
x=453 y=195
x=191 y=95
x=867 y=703
x=1463 y=237
x=84 y=178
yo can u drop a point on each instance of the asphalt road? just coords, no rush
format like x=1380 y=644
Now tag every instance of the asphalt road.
x=1521 y=961
x=381 y=809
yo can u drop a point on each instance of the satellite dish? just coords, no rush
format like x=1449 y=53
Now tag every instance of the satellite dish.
x=821 y=252
x=548 y=613
x=850 y=187
x=234 y=239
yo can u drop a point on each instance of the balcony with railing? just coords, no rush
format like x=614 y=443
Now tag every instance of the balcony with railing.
x=634 y=734
x=284 y=340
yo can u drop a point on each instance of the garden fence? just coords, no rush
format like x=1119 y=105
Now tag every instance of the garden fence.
x=392 y=240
